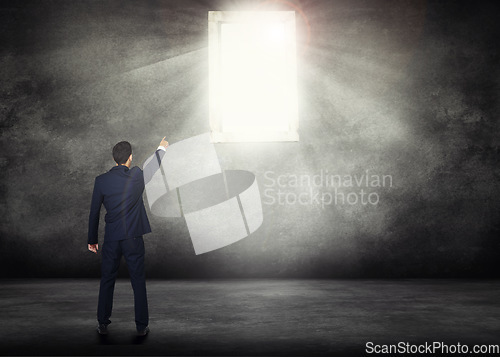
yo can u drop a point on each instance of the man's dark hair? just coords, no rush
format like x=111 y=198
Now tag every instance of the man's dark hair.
x=121 y=152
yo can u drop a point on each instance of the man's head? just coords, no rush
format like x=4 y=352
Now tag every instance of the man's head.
x=122 y=152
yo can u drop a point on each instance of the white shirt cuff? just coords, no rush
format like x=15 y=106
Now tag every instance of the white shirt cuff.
x=161 y=148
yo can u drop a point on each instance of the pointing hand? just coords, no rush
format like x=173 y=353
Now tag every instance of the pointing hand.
x=164 y=142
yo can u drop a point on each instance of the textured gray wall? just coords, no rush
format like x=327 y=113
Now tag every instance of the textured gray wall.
x=401 y=88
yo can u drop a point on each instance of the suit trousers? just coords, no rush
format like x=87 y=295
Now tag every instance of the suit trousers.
x=132 y=249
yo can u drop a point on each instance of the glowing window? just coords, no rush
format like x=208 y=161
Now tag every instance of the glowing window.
x=253 y=86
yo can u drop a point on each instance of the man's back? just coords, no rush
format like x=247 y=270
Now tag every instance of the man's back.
x=120 y=191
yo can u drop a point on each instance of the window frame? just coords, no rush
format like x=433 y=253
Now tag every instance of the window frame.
x=215 y=20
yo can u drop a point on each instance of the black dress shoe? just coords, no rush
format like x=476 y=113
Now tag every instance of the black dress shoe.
x=143 y=332
x=102 y=329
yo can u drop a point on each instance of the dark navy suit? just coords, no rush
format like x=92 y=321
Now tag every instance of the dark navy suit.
x=120 y=191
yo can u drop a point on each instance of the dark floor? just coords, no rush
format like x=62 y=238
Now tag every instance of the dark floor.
x=248 y=317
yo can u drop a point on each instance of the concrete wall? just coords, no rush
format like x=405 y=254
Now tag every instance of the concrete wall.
x=402 y=89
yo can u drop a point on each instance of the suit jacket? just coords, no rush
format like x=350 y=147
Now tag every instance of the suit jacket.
x=120 y=191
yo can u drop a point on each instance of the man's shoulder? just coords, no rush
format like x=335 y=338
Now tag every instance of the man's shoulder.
x=101 y=176
x=101 y=179
x=113 y=174
x=106 y=175
x=134 y=171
